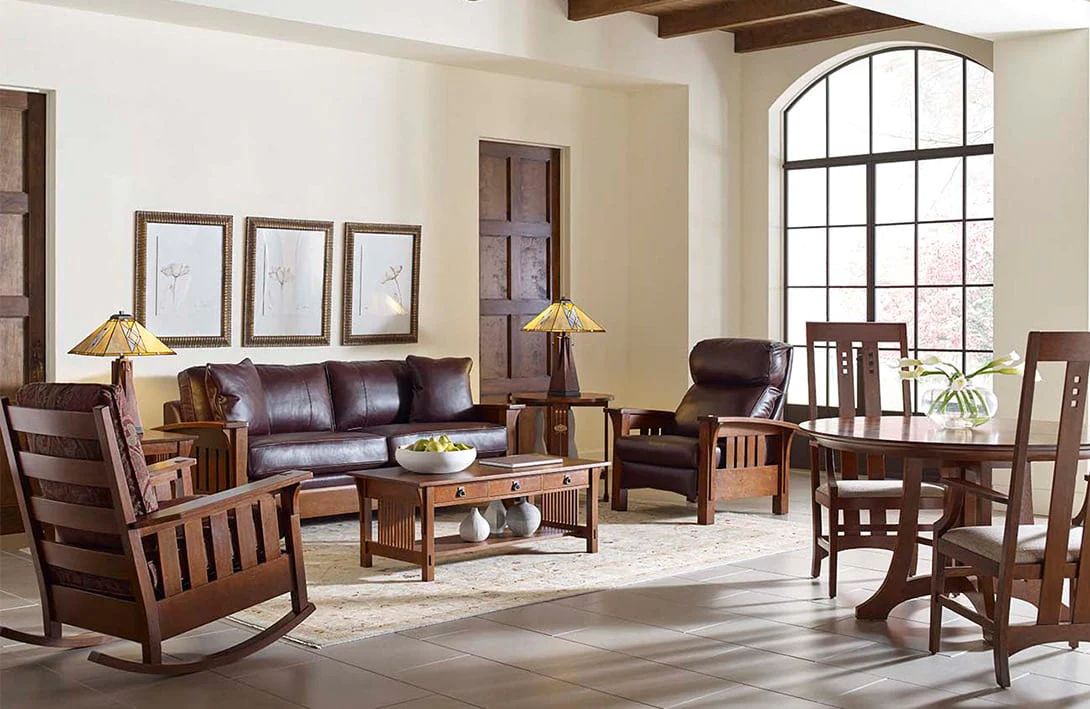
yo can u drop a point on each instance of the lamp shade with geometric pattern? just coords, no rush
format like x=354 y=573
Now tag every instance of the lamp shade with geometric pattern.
x=563 y=317
x=122 y=337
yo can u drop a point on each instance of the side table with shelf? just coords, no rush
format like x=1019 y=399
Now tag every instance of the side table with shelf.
x=558 y=426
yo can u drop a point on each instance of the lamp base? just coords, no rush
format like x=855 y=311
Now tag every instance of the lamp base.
x=565 y=381
x=121 y=372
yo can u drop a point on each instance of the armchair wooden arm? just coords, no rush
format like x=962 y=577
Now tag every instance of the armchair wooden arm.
x=172 y=477
x=221 y=451
x=755 y=462
x=208 y=505
x=975 y=490
x=624 y=421
x=506 y=415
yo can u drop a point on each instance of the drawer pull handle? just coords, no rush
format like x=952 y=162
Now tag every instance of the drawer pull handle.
x=516 y=486
x=460 y=492
x=567 y=480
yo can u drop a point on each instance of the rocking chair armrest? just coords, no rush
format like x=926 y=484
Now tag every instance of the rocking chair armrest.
x=174 y=472
x=218 y=502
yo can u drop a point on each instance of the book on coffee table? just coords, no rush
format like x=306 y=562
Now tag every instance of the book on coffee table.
x=524 y=460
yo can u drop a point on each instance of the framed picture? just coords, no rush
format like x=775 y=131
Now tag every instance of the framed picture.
x=381 y=283
x=288 y=282
x=183 y=277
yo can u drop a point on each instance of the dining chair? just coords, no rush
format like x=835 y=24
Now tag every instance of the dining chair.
x=1048 y=554
x=840 y=482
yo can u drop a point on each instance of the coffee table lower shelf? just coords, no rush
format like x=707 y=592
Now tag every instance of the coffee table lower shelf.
x=400 y=499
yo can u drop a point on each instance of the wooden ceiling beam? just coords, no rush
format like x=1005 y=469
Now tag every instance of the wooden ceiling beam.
x=586 y=9
x=737 y=13
x=815 y=29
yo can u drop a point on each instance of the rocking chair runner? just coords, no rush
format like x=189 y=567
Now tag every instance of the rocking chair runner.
x=112 y=558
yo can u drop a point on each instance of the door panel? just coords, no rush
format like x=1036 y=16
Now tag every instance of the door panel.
x=22 y=260
x=519 y=277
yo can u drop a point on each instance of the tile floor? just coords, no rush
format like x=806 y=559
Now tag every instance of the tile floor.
x=755 y=633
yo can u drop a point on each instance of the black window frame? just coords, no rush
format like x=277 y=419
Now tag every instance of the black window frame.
x=870 y=161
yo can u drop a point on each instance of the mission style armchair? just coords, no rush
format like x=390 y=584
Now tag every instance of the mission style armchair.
x=725 y=440
x=116 y=551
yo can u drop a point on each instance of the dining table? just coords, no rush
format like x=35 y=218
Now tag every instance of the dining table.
x=970 y=454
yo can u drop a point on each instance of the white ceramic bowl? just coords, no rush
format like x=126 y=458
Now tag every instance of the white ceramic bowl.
x=431 y=463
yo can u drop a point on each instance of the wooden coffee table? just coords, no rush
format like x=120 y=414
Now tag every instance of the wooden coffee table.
x=399 y=494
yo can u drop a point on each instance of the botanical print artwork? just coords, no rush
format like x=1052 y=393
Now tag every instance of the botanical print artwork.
x=384 y=263
x=290 y=271
x=183 y=277
x=382 y=267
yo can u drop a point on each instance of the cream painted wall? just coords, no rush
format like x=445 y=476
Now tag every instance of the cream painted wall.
x=1042 y=202
x=155 y=116
x=770 y=80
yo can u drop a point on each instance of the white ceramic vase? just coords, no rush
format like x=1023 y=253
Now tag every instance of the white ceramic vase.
x=523 y=518
x=473 y=528
x=496 y=516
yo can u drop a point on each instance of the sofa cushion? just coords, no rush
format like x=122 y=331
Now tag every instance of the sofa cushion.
x=192 y=394
x=235 y=393
x=326 y=452
x=296 y=397
x=487 y=438
x=666 y=451
x=369 y=393
x=441 y=389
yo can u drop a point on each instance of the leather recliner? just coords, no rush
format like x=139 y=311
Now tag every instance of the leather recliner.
x=724 y=441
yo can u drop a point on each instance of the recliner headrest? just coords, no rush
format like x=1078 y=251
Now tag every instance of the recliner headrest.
x=733 y=361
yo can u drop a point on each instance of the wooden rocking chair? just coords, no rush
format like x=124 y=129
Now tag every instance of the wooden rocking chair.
x=115 y=559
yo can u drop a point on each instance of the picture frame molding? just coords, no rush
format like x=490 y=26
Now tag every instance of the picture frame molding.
x=226 y=221
x=351 y=230
x=249 y=339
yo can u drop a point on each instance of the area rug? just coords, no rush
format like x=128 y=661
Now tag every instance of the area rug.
x=648 y=541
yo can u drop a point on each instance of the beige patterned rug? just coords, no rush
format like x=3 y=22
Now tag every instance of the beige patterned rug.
x=644 y=543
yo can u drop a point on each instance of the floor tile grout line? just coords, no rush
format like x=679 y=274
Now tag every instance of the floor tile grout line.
x=536 y=674
x=732 y=647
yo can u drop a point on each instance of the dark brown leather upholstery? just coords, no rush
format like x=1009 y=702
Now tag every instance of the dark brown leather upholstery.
x=236 y=394
x=325 y=452
x=734 y=377
x=369 y=393
x=488 y=439
x=441 y=390
x=731 y=377
x=332 y=417
x=297 y=397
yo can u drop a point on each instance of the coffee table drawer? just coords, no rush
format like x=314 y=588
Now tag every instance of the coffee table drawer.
x=465 y=491
x=507 y=486
x=560 y=481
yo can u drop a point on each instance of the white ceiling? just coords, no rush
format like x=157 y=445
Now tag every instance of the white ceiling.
x=988 y=19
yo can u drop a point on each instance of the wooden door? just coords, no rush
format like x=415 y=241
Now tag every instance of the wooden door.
x=519 y=264
x=22 y=260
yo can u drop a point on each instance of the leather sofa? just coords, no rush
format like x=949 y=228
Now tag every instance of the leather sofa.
x=724 y=441
x=256 y=420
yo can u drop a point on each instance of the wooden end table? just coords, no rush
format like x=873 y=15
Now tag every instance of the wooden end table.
x=399 y=494
x=161 y=445
x=557 y=427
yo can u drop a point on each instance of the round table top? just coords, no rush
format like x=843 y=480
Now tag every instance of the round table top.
x=586 y=398
x=918 y=436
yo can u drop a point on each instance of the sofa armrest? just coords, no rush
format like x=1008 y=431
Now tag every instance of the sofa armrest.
x=172 y=411
x=221 y=449
x=506 y=415
x=624 y=420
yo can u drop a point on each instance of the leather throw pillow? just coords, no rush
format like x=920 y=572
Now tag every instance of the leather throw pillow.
x=441 y=389
x=236 y=394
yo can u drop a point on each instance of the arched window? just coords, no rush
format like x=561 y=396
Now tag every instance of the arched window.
x=888 y=206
